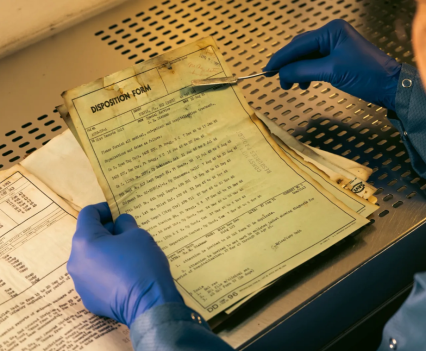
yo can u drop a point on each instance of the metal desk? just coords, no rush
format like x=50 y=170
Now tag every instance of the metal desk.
x=309 y=307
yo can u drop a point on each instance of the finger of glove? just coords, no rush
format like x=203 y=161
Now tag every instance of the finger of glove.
x=285 y=85
x=304 y=85
x=90 y=221
x=300 y=35
x=305 y=71
x=124 y=223
x=301 y=46
x=272 y=74
x=109 y=226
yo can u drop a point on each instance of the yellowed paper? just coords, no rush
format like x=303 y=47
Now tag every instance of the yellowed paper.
x=358 y=170
x=62 y=164
x=237 y=305
x=353 y=179
x=355 y=203
x=63 y=111
x=39 y=308
x=199 y=171
x=350 y=199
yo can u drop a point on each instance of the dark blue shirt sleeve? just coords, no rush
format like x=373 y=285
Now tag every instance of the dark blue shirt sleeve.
x=405 y=331
x=410 y=116
x=174 y=327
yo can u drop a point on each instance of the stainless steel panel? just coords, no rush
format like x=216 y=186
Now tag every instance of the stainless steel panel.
x=247 y=32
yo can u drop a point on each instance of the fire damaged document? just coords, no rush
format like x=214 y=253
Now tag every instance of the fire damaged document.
x=202 y=175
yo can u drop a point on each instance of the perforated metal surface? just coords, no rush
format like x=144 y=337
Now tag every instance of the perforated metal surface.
x=247 y=32
x=24 y=139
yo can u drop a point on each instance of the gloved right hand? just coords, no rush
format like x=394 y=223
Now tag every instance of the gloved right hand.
x=336 y=53
x=117 y=268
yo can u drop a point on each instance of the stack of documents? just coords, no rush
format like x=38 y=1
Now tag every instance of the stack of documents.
x=233 y=200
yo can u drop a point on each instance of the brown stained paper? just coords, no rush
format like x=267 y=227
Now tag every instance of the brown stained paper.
x=349 y=198
x=200 y=172
x=348 y=174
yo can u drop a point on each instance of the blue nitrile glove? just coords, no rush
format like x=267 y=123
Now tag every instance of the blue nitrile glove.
x=118 y=269
x=338 y=54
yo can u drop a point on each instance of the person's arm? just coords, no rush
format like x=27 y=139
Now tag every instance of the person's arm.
x=405 y=331
x=120 y=272
x=174 y=327
x=336 y=53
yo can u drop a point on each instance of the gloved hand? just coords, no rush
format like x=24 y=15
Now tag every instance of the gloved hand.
x=338 y=54
x=118 y=269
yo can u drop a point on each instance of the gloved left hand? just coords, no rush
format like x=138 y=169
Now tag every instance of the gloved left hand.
x=118 y=269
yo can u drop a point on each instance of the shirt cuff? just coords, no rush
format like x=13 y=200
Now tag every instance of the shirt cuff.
x=409 y=118
x=406 y=82
x=158 y=315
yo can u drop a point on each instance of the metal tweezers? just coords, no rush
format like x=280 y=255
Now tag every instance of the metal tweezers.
x=226 y=80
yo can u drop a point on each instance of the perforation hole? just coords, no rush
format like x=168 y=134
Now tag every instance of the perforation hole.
x=383 y=213
x=401 y=188
x=392 y=182
x=378 y=191
x=397 y=204
x=411 y=195
x=405 y=174
x=388 y=197
x=383 y=176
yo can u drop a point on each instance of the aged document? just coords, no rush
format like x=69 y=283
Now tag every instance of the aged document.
x=199 y=171
x=348 y=197
x=62 y=165
x=39 y=308
x=349 y=174
x=354 y=202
